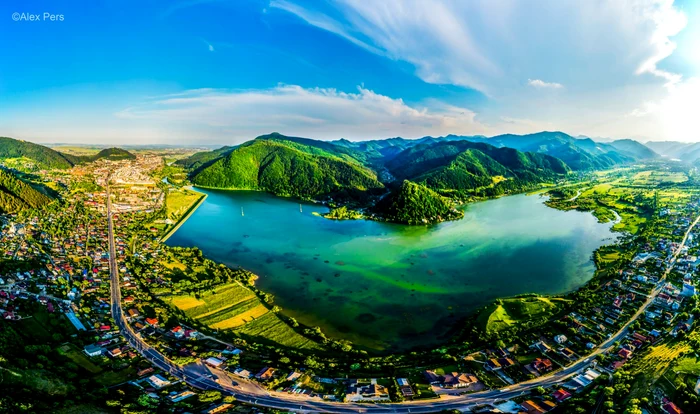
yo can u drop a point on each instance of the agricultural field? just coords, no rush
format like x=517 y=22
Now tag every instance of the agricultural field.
x=652 y=365
x=76 y=150
x=271 y=328
x=236 y=308
x=507 y=312
x=654 y=178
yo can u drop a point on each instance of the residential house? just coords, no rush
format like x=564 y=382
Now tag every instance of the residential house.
x=560 y=339
x=367 y=392
x=93 y=350
x=531 y=407
x=542 y=365
x=458 y=380
x=405 y=388
x=561 y=395
x=157 y=381
x=265 y=374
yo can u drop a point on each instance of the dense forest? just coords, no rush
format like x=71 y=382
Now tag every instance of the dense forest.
x=16 y=195
x=415 y=204
x=288 y=169
x=13 y=148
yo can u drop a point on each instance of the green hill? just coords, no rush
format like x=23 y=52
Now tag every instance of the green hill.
x=16 y=195
x=287 y=168
x=415 y=204
x=579 y=154
x=466 y=166
x=508 y=312
x=44 y=156
x=113 y=154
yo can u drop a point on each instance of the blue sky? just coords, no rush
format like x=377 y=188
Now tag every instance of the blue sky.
x=216 y=71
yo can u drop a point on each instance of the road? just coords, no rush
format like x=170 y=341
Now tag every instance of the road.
x=193 y=375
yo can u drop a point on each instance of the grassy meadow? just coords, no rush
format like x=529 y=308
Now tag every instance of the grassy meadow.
x=179 y=202
x=508 y=312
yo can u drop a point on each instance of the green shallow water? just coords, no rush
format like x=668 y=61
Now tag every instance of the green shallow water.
x=387 y=286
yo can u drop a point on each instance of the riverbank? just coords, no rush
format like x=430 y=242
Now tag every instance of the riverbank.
x=184 y=218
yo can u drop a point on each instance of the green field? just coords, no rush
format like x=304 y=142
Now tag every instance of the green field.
x=79 y=358
x=688 y=365
x=653 y=178
x=178 y=202
x=507 y=312
x=236 y=308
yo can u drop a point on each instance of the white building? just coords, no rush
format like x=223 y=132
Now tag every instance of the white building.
x=158 y=381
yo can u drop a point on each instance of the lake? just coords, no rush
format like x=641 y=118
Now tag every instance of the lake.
x=391 y=287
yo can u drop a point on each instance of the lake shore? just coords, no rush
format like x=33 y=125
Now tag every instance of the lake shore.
x=184 y=218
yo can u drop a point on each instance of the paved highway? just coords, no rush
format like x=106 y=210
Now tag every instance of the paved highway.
x=193 y=377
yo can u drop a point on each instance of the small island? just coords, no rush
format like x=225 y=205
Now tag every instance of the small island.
x=416 y=204
x=343 y=213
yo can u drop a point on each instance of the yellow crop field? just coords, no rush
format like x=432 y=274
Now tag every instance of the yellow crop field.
x=186 y=302
x=242 y=318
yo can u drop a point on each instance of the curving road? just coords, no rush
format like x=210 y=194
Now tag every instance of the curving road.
x=193 y=375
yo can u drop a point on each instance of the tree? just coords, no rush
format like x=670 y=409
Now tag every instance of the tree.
x=539 y=391
x=209 y=396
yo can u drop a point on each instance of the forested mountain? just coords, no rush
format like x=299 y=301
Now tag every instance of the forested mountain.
x=578 y=154
x=287 y=168
x=464 y=165
x=45 y=156
x=16 y=195
x=456 y=166
x=413 y=203
x=634 y=148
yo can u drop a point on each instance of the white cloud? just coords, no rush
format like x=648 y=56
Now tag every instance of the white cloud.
x=537 y=83
x=668 y=22
x=210 y=47
x=235 y=116
x=678 y=112
x=489 y=46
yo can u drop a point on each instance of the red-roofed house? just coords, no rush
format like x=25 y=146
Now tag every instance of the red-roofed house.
x=561 y=395
x=152 y=321
x=178 y=332
x=542 y=364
